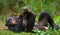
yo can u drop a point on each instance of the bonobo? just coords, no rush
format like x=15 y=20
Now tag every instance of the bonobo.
x=13 y=24
x=27 y=18
x=43 y=19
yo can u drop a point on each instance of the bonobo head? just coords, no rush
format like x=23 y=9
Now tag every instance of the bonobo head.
x=10 y=21
x=25 y=9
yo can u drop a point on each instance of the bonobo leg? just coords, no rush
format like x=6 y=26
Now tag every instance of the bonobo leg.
x=43 y=19
x=42 y=22
x=51 y=22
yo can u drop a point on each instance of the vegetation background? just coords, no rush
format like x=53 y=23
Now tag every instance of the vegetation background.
x=7 y=7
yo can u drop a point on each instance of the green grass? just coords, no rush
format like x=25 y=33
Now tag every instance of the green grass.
x=12 y=33
x=48 y=32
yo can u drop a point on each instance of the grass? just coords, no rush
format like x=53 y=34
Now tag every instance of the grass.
x=48 y=32
x=12 y=33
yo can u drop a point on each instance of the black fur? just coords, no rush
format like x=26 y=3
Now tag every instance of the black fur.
x=29 y=17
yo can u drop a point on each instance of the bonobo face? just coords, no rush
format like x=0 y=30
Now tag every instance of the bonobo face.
x=13 y=21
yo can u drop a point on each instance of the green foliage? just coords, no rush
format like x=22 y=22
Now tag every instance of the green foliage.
x=48 y=32
x=57 y=20
x=35 y=5
x=2 y=32
x=42 y=5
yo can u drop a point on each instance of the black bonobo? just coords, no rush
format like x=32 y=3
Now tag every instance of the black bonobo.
x=27 y=18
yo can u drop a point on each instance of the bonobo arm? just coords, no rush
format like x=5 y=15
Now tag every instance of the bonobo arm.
x=31 y=22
